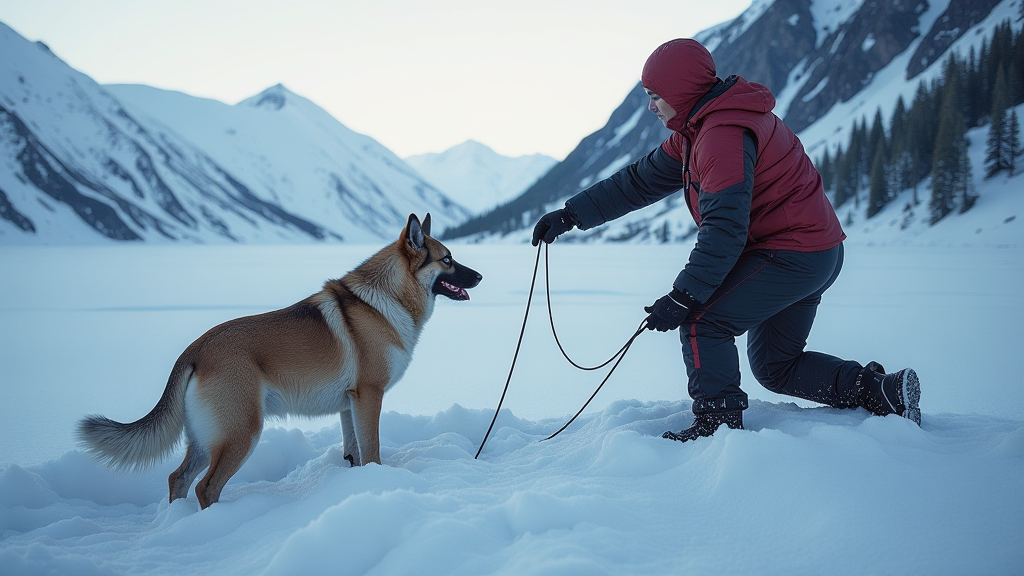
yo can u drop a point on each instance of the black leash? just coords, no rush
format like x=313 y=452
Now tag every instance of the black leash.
x=620 y=354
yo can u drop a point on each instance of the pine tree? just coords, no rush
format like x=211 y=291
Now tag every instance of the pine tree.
x=859 y=158
x=916 y=161
x=1013 y=138
x=878 y=194
x=950 y=158
x=1017 y=68
x=825 y=168
x=662 y=233
x=899 y=153
x=898 y=127
x=965 y=186
x=1015 y=84
x=943 y=182
x=920 y=131
x=877 y=134
x=844 y=178
x=996 y=145
x=973 y=89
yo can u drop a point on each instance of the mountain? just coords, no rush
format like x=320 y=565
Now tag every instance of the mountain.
x=630 y=133
x=85 y=163
x=479 y=178
x=827 y=62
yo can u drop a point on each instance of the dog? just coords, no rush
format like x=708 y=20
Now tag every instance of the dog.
x=337 y=351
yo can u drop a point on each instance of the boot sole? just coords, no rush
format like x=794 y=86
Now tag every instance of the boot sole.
x=911 y=389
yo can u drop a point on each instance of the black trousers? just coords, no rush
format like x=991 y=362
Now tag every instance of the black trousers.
x=773 y=295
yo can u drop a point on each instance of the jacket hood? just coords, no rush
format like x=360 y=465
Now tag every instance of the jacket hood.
x=682 y=72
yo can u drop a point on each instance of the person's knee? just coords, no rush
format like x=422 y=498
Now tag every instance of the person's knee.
x=761 y=374
x=774 y=375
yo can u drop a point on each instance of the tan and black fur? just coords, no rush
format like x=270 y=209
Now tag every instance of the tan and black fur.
x=337 y=351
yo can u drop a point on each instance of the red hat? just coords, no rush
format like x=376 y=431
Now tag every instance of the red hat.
x=680 y=71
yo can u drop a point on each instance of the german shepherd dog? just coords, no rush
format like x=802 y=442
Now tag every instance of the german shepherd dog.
x=337 y=351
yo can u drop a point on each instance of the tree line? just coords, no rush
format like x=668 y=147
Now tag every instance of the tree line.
x=927 y=140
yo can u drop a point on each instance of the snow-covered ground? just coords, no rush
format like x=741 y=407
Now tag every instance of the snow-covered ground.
x=804 y=489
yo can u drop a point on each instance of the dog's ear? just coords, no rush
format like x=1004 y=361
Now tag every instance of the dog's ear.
x=426 y=224
x=414 y=233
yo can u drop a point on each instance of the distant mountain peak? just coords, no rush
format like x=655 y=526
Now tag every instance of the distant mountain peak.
x=478 y=177
x=273 y=98
x=472 y=144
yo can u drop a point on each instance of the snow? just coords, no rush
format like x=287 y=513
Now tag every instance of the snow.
x=804 y=489
x=139 y=145
x=829 y=15
x=890 y=83
x=613 y=167
x=626 y=127
x=749 y=16
x=798 y=76
x=821 y=86
x=994 y=220
x=294 y=152
x=837 y=42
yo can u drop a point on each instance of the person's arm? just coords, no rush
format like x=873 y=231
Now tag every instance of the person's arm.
x=727 y=161
x=640 y=184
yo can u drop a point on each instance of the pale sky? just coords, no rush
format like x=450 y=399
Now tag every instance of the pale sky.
x=521 y=76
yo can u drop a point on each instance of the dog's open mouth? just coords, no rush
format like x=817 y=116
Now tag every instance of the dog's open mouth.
x=450 y=290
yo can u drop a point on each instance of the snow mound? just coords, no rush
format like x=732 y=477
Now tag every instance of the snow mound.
x=841 y=491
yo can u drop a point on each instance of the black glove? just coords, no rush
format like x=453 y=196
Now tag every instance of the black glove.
x=669 y=311
x=553 y=225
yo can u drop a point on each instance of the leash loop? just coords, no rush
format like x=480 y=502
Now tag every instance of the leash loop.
x=618 y=355
x=515 y=356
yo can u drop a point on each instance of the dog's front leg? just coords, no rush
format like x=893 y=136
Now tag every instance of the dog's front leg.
x=348 y=431
x=366 y=405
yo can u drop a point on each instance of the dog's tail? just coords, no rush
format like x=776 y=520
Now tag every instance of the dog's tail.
x=140 y=444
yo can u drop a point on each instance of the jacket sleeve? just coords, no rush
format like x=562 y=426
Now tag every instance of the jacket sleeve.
x=727 y=174
x=640 y=184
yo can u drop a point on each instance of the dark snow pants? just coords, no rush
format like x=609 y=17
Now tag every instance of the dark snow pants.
x=772 y=295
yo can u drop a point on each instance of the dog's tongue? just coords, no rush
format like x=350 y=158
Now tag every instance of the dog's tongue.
x=460 y=292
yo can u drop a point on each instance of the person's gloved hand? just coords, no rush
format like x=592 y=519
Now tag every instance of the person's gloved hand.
x=669 y=311
x=552 y=225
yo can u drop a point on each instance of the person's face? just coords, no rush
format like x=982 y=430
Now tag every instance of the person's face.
x=660 y=107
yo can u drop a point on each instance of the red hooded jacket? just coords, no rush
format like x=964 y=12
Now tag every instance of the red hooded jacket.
x=750 y=184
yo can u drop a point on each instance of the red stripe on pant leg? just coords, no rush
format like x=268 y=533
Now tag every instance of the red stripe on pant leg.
x=693 y=345
x=693 y=327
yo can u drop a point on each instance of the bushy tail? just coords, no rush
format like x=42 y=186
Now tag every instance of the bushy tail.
x=140 y=444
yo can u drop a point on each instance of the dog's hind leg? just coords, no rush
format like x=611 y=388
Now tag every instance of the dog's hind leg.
x=348 y=431
x=366 y=404
x=225 y=460
x=236 y=407
x=179 y=481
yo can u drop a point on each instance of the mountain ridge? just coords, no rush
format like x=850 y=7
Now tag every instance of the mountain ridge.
x=85 y=163
x=826 y=61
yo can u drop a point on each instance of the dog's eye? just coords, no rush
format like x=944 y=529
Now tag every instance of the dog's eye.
x=447 y=260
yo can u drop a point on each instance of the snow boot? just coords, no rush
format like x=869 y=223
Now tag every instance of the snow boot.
x=896 y=393
x=705 y=425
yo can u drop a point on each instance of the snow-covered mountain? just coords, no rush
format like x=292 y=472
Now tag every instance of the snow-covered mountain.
x=827 y=61
x=479 y=178
x=85 y=163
